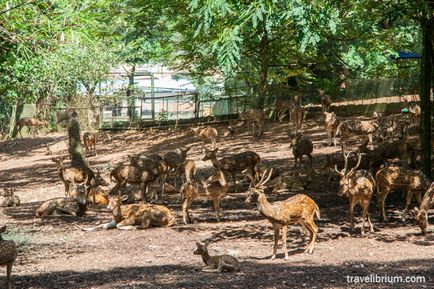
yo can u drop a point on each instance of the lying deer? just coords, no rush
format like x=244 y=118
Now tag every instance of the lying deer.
x=215 y=188
x=412 y=182
x=358 y=186
x=331 y=123
x=62 y=207
x=30 y=122
x=216 y=264
x=254 y=117
x=133 y=174
x=301 y=145
x=127 y=217
x=296 y=209
x=10 y=200
x=234 y=163
x=89 y=141
x=354 y=126
x=421 y=214
x=8 y=254
x=208 y=133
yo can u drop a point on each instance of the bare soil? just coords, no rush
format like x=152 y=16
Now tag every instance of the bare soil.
x=55 y=253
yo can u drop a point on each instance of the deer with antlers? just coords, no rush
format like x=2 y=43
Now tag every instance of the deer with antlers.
x=254 y=117
x=214 y=188
x=358 y=186
x=297 y=209
x=421 y=214
x=412 y=182
x=234 y=163
x=32 y=123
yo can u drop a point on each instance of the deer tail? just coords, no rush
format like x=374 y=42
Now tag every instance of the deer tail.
x=317 y=213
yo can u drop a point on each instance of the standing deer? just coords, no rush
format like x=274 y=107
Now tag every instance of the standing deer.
x=297 y=115
x=281 y=107
x=8 y=254
x=174 y=159
x=254 y=117
x=215 y=188
x=297 y=209
x=155 y=163
x=331 y=123
x=326 y=101
x=216 y=264
x=89 y=141
x=127 y=217
x=30 y=122
x=301 y=145
x=186 y=170
x=358 y=186
x=208 y=133
x=133 y=174
x=234 y=163
x=355 y=126
x=412 y=182
x=421 y=214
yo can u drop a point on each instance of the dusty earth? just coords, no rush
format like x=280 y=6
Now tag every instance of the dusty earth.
x=55 y=253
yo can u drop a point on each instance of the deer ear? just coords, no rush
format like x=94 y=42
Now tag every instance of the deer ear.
x=206 y=244
x=199 y=245
x=124 y=198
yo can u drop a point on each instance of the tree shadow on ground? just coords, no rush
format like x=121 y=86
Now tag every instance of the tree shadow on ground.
x=254 y=274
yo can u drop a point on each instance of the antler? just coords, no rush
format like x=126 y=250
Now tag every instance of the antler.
x=359 y=155
x=264 y=178
x=344 y=170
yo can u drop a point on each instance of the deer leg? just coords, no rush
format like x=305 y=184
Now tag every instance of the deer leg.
x=365 y=215
x=285 y=249
x=276 y=240
x=235 y=182
x=217 y=209
x=127 y=224
x=66 y=188
x=352 y=203
x=185 y=215
x=408 y=198
x=381 y=198
x=8 y=274
x=146 y=221
x=313 y=231
x=310 y=160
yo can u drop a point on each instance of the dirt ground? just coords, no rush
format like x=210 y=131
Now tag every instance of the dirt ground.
x=55 y=253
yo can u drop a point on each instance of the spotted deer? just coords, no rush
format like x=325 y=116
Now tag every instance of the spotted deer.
x=133 y=174
x=10 y=199
x=62 y=207
x=136 y=216
x=297 y=115
x=208 y=133
x=8 y=254
x=326 y=101
x=301 y=145
x=421 y=214
x=89 y=141
x=358 y=186
x=32 y=123
x=331 y=124
x=187 y=169
x=355 y=126
x=218 y=263
x=76 y=175
x=174 y=159
x=414 y=111
x=281 y=107
x=412 y=182
x=297 y=209
x=155 y=163
x=254 y=117
x=214 y=188
x=234 y=163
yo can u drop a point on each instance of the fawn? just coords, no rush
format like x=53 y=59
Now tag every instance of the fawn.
x=421 y=214
x=217 y=263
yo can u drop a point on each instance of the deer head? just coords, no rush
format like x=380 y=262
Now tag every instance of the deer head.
x=258 y=188
x=201 y=249
x=210 y=154
x=346 y=181
x=99 y=180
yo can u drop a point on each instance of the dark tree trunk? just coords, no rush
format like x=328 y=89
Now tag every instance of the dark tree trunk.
x=130 y=92
x=263 y=69
x=426 y=86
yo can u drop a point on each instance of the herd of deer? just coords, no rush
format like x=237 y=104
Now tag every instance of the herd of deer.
x=359 y=178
